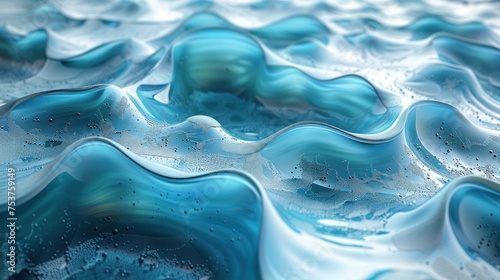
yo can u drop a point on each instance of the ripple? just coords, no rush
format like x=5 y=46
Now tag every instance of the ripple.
x=252 y=139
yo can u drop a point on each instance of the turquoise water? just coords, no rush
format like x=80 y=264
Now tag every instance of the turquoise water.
x=251 y=139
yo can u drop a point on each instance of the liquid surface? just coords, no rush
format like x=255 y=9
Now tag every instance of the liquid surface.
x=251 y=139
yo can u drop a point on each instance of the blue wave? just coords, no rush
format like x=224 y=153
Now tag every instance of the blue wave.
x=483 y=60
x=222 y=225
x=311 y=160
x=249 y=140
x=27 y=48
x=429 y=26
x=277 y=34
x=123 y=63
x=238 y=68
x=196 y=219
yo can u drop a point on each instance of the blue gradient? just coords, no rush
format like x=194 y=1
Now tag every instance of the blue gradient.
x=251 y=139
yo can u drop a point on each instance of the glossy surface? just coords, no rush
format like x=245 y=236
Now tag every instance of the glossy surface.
x=251 y=139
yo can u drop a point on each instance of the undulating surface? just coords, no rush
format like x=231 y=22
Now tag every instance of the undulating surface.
x=250 y=139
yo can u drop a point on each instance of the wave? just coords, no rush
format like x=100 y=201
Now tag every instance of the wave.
x=277 y=34
x=187 y=222
x=215 y=139
x=238 y=68
x=123 y=63
x=195 y=220
x=425 y=27
x=320 y=166
x=483 y=60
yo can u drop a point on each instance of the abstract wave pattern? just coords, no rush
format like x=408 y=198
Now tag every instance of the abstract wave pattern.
x=251 y=139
